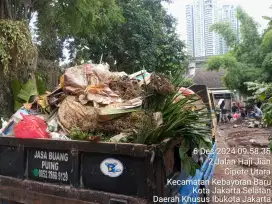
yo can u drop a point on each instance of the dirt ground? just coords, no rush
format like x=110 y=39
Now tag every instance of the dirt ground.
x=244 y=166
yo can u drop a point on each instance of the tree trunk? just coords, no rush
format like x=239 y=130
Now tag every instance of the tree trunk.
x=2 y=9
x=8 y=10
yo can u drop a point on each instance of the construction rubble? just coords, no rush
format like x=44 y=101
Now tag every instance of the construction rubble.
x=250 y=123
x=90 y=103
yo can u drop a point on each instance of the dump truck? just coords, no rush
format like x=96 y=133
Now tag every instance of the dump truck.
x=37 y=171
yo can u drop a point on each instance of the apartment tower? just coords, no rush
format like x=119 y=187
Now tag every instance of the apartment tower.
x=228 y=14
x=200 y=16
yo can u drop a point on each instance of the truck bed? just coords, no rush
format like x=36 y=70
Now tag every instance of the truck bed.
x=41 y=171
x=26 y=174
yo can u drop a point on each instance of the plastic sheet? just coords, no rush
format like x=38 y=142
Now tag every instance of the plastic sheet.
x=31 y=127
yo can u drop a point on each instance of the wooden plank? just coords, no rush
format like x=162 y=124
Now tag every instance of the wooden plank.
x=137 y=150
x=29 y=197
x=32 y=192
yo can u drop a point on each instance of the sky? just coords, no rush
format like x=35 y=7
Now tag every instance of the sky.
x=254 y=8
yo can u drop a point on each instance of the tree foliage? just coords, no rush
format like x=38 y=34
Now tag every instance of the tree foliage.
x=267 y=67
x=249 y=63
x=262 y=92
x=247 y=50
x=240 y=73
x=77 y=18
x=221 y=62
x=16 y=48
x=135 y=34
x=249 y=58
x=17 y=52
x=266 y=45
x=237 y=72
x=61 y=20
x=225 y=30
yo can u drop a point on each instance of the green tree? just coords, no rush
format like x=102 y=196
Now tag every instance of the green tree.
x=266 y=50
x=225 y=30
x=58 y=21
x=18 y=54
x=146 y=38
x=248 y=49
x=135 y=34
x=245 y=61
x=236 y=72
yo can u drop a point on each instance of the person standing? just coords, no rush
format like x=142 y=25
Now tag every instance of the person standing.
x=222 y=105
x=222 y=111
x=234 y=108
x=258 y=112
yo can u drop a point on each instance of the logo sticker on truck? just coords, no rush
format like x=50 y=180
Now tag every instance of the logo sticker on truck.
x=111 y=167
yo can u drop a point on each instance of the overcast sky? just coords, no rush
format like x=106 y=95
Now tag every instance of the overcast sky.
x=254 y=8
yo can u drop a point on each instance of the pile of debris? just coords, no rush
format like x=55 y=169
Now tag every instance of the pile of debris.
x=91 y=103
x=250 y=123
x=253 y=123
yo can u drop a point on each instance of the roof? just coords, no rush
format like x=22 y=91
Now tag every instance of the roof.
x=212 y=79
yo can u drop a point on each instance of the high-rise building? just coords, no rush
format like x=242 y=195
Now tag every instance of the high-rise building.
x=227 y=13
x=200 y=16
x=198 y=28
x=190 y=29
x=210 y=17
